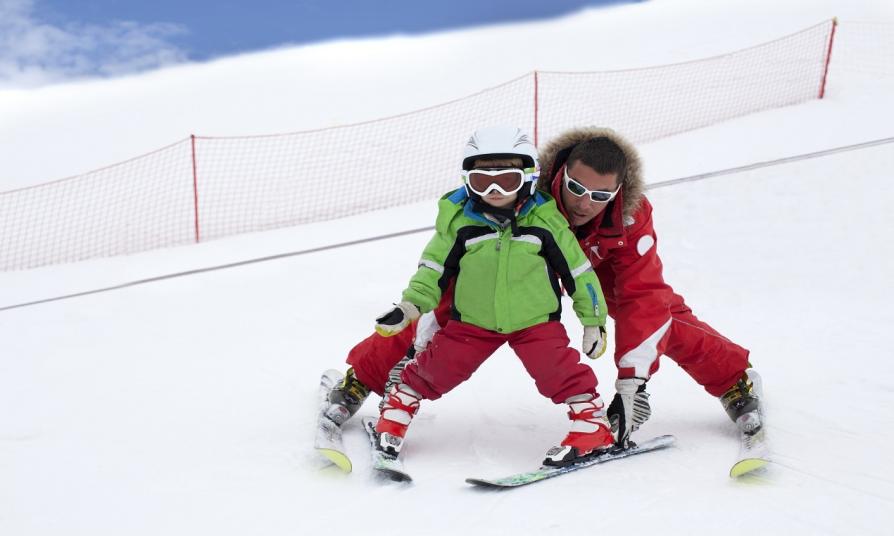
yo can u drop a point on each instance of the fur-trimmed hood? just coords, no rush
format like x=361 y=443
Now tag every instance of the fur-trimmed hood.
x=554 y=154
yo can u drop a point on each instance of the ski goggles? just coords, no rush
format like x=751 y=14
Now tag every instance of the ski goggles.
x=485 y=181
x=596 y=196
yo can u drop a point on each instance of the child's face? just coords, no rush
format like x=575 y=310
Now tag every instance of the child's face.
x=498 y=200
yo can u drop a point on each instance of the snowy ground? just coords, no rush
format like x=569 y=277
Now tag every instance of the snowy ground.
x=187 y=406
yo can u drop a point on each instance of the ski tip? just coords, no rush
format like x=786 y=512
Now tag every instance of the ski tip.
x=743 y=467
x=338 y=458
x=482 y=483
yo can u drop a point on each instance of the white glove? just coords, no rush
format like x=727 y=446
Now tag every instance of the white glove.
x=629 y=408
x=394 y=320
x=594 y=341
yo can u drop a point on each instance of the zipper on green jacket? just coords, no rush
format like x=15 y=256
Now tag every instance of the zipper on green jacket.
x=502 y=290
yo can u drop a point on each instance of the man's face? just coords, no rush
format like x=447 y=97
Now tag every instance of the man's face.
x=583 y=209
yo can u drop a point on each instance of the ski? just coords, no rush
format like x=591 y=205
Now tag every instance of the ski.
x=384 y=464
x=523 y=479
x=753 y=454
x=328 y=441
x=754 y=450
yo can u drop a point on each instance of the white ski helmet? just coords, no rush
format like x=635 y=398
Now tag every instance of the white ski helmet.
x=503 y=142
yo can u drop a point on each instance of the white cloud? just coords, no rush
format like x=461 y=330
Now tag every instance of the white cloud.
x=35 y=53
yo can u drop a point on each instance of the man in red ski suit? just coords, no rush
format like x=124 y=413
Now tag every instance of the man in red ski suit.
x=578 y=168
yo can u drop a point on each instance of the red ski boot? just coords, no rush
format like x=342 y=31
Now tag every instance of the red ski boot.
x=400 y=404
x=590 y=432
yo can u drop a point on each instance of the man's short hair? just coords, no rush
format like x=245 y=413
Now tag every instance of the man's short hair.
x=601 y=154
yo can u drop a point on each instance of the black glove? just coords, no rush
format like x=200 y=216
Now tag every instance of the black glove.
x=629 y=409
x=394 y=320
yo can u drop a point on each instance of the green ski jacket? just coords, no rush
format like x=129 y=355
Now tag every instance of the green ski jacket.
x=506 y=282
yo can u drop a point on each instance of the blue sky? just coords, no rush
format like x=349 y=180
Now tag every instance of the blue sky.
x=45 y=40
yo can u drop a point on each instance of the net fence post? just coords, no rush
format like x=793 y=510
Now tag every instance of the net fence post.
x=536 y=108
x=195 y=186
x=822 y=91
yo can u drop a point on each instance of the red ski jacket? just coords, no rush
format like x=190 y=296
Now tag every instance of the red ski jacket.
x=650 y=318
x=630 y=272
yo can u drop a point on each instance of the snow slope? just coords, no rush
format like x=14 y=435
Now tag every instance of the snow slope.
x=186 y=406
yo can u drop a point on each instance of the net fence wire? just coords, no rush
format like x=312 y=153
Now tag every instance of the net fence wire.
x=864 y=50
x=426 y=229
x=204 y=188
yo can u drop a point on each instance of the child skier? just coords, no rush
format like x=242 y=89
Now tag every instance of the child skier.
x=508 y=248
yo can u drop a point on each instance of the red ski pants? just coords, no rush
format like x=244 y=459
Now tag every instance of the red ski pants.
x=711 y=359
x=374 y=357
x=457 y=350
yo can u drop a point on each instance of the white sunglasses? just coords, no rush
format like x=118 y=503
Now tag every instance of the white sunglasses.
x=485 y=181
x=596 y=196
